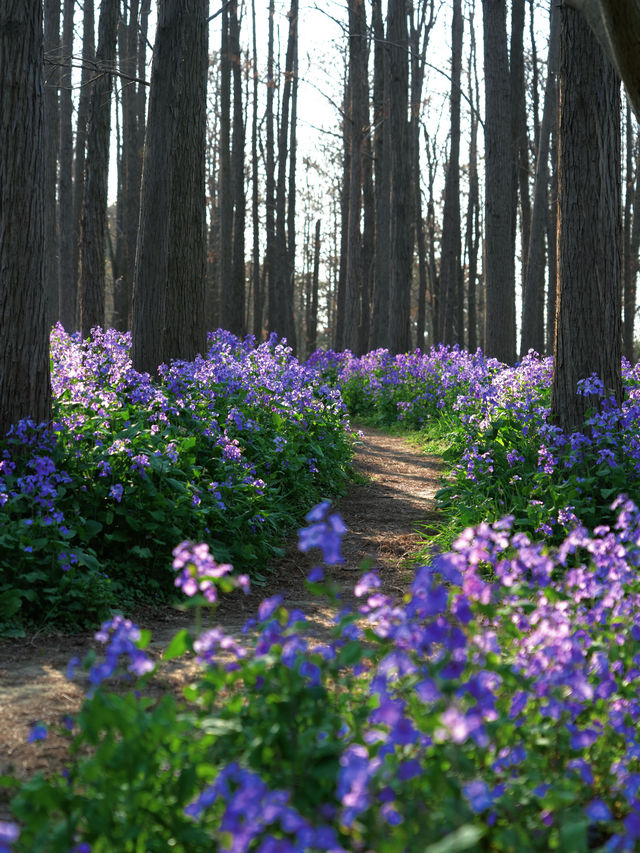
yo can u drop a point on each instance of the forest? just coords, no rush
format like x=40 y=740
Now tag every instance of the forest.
x=210 y=281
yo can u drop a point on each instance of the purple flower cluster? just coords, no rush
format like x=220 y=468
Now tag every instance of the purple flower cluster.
x=121 y=640
x=199 y=572
x=260 y=819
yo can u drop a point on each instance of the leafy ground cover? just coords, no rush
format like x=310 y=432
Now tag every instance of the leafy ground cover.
x=492 y=707
x=230 y=450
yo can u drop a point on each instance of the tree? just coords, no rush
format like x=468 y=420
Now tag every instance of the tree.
x=185 y=328
x=450 y=251
x=52 y=142
x=533 y=308
x=401 y=242
x=500 y=318
x=94 y=217
x=588 y=319
x=66 y=283
x=616 y=25
x=171 y=325
x=24 y=336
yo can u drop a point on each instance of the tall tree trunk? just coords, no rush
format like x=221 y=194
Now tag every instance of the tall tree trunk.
x=433 y=301
x=94 y=216
x=230 y=316
x=341 y=283
x=131 y=165
x=237 y=178
x=282 y=290
x=588 y=324
x=628 y=262
x=534 y=282
x=472 y=238
x=401 y=205
x=52 y=142
x=356 y=123
x=500 y=316
x=185 y=327
x=450 y=256
x=258 y=300
x=519 y=130
x=270 y=180
x=382 y=181
x=152 y=254
x=634 y=248
x=312 y=325
x=24 y=335
x=88 y=56
x=66 y=284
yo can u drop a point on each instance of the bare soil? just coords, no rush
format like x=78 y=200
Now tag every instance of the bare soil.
x=386 y=513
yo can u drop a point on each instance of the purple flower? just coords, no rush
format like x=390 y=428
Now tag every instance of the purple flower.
x=598 y=810
x=478 y=795
x=38 y=732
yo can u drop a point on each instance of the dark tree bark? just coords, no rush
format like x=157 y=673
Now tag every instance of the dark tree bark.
x=237 y=170
x=382 y=181
x=94 y=216
x=258 y=297
x=231 y=314
x=450 y=252
x=519 y=130
x=401 y=204
x=341 y=282
x=500 y=316
x=629 y=265
x=185 y=327
x=24 y=335
x=66 y=284
x=169 y=320
x=282 y=310
x=472 y=237
x=433 y=300
x=634 y=249
x=270 y=179
x=152 y=254
x=534 y=282
x=356 y=123
x=88 y=55
x=312 y=324
x=588 y=320
x=131 y=164
x=51 y=148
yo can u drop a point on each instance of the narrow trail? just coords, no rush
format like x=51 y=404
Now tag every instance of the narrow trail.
x=383 y=514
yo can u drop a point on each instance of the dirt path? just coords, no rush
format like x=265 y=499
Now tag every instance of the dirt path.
x=382 y=515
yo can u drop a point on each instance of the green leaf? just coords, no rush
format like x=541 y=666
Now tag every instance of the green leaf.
x=181 y=643
x=10 y=603
x=464 y=838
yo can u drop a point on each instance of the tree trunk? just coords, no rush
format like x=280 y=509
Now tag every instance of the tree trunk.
x=24 y=336
x=185 y=327
x=131 y=165
x=66 y=284
x=382 y=181
x=270 y=180
x=282 y=290
x=500 y=316
x=52 y=142
x=450 y=252
x=628 y=262
x=258 y=302
x=519 y=128
x=94 y=217
x=88 y=55
x=473 y=207
x=534 y=282
x=588 y=325
x=356 y=124
x=401 y=205
x=152 y=254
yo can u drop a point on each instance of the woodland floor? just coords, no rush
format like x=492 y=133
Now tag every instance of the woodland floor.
x=384 y=513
